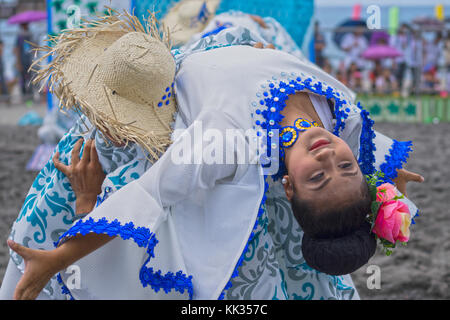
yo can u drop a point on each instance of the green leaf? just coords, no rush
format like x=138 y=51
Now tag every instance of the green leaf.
x=373 y=192
x=375 y=207
x=379 y=174
x=387 y=243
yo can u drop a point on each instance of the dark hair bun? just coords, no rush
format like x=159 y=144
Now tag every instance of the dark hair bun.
x=339 y=256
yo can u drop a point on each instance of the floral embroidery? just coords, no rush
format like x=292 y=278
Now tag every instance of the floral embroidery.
x=252 y=235
x=100 y=199
x=143 y=238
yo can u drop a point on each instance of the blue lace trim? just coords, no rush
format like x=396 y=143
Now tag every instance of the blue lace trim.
x=64 y=289
x=398 y=154
x=366 y=146
x=179 y=281
x=252 y=235
x=143 y=238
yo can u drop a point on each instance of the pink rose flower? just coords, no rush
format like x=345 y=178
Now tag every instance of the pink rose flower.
x=386 y=192
x=403 y=235
x=393 y=221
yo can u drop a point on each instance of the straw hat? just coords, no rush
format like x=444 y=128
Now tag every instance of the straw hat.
x=120 y=74
x=189 y=17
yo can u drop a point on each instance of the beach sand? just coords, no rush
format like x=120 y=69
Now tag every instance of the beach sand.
x=418 y=271
x=421 y=270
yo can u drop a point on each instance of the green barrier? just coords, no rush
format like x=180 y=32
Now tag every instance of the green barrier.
x=416 y=109
x=447 y=118
x=411 y=111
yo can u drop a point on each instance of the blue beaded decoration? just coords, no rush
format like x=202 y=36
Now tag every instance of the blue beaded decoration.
x=165 y=99
x=289 y=134
x=304 y=124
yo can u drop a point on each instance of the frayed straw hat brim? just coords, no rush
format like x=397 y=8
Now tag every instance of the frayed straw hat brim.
x=75 y=78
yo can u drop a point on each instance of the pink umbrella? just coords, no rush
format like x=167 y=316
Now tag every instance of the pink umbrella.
x=380 y=51
x=27 y=16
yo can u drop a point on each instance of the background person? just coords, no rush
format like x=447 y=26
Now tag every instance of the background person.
x=24 y=59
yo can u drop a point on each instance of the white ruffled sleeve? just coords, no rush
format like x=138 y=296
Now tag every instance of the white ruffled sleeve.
x=136 y=212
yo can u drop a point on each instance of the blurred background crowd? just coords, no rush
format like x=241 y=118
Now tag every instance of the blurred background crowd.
x=17 y=34
x=408 y=57
x=407 y=53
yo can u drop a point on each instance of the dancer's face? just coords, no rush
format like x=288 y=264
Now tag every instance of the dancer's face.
x=323 y=169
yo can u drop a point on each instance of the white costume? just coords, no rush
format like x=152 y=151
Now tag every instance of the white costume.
x=196 y=227
x=202 y=214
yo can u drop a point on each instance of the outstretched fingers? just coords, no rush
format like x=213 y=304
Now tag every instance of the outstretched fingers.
x=86 y=158
x=76 y=152
x=22 y=251
x=412 y=176
x=260 y=45
x=94 y=155
x=59 y=165
x=40 y=266
x=22 y=291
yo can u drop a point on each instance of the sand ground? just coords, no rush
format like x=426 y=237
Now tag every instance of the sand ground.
x=418 y=271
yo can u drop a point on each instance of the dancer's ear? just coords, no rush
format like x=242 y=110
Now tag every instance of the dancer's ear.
x=288 y=187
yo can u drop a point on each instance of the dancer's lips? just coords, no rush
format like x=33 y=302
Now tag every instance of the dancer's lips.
x=319 y=144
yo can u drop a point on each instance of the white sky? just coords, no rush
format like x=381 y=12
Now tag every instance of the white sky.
x=381 y=2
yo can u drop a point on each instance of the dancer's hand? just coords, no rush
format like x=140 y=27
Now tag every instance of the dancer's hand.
x=405 y=176
x=259 y=21
x=85 y=175
x=40 y=266
x=259 y=45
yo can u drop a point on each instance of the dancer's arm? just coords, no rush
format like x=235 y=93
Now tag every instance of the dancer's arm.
x=42 y=265
x=86 y=177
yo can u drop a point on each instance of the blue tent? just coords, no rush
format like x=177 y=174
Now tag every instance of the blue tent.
x=294 y=15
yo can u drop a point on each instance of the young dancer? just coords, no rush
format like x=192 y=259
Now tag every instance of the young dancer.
x=222 y=229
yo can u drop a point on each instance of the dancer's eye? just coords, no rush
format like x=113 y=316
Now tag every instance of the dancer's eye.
x=316 y=177
x=346 y=165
